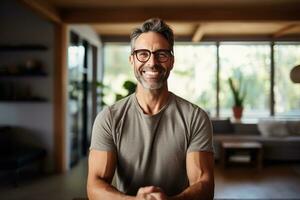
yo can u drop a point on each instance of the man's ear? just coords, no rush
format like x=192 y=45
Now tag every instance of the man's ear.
x=172 y=62
x=131 y=59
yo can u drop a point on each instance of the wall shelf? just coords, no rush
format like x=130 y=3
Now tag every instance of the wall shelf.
x=10 y=76
x=34 y=100
x=15 y=79
x=23 y=47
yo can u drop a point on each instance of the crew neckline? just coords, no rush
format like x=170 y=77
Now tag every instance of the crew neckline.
x=140 y=110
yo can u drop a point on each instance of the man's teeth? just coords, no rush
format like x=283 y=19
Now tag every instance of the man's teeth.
x=150 y=73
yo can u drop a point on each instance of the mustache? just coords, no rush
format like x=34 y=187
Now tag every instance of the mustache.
x=157 y=67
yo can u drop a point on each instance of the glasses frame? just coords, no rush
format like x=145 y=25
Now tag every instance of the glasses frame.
x=169 y=52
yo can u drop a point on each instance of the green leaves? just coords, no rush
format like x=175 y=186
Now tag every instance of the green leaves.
x=129 y=86
x=103 y=90
x=238 y=94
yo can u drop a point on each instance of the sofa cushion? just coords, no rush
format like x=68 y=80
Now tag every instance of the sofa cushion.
x=293 y=127
x=6 y=140
x=273 y=128
x=222 y=126
x=21 y=157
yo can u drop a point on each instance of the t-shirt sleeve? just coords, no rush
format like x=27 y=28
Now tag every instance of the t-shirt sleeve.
x=102 y=138
x=200 y=132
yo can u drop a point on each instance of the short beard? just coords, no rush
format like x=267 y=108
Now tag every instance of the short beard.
x=159 y=84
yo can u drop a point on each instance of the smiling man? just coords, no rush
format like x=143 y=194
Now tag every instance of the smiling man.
x=158 y=145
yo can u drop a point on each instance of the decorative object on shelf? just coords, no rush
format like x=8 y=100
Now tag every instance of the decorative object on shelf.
x=31 y=67
x=12 y=91
x=295 y=74
x=238 y=96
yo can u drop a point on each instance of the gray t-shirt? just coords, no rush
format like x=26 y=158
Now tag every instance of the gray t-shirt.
x=151 y=150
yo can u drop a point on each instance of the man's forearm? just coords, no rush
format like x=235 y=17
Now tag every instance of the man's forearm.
x=99 y=189
x=197 y=191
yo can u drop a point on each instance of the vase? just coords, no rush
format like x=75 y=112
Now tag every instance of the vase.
x=237 y=112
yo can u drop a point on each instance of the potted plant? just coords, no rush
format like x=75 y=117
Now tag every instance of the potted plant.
x=238 y=96
x=128 y=85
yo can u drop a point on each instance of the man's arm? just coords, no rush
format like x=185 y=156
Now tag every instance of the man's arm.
x=200 y=170
x=102 y=165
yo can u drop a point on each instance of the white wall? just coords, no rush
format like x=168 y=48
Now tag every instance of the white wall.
x=87 y=33
x=20 y=26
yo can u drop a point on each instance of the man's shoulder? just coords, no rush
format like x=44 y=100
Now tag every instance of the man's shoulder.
x=185 y=104
x=122 y=102
x=116 y=110
x=187 y=108
x=118 y=107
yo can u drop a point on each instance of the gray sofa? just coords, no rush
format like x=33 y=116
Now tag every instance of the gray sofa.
x=276 y=147
x=16 y=153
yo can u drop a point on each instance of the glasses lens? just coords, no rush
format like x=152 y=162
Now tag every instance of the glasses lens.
x=162 y=55
x=143 y=55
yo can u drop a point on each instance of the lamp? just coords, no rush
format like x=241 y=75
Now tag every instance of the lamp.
x=295 y=74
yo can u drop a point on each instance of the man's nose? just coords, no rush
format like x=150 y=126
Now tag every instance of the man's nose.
x=152 y=60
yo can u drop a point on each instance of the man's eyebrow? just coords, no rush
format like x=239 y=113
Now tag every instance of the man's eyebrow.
x=153 y=51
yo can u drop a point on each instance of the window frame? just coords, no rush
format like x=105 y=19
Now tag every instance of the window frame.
x=217 y=43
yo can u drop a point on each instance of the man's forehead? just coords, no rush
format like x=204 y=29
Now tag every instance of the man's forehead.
x=151 y=39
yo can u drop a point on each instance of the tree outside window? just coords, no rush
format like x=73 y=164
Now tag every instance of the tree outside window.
x=117 y=70
x=194 y=75
x=251 y=65
x=287 y=94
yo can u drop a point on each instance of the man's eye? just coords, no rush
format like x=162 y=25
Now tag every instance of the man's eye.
x=143 y=54
x=162 y=54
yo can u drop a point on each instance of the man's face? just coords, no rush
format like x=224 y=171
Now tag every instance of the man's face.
x=152 y=74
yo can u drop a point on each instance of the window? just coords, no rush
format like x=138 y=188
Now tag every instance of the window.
x=117 y=70
x=194 y=75
x=287 y=94
x=250 y=64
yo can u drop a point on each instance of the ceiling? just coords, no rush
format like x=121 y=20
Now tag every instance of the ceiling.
x=142 y=3
x=192 y=19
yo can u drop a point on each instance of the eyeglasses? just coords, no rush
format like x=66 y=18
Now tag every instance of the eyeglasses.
x=161 y=55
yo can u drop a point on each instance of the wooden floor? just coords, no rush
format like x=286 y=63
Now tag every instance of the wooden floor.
x=280 y=181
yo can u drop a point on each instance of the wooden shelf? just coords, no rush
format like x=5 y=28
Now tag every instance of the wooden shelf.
x=8 y=76
x=23 y=47
x=25 y=101
x=14 y=78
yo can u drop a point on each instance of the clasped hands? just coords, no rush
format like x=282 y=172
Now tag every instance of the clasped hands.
x=151 y=193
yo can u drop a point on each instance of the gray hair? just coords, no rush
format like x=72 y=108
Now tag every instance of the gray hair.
x=153 y=25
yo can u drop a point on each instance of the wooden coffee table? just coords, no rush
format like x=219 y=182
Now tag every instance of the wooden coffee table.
x=252 y=149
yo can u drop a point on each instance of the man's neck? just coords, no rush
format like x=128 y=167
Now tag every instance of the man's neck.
x=151 y=101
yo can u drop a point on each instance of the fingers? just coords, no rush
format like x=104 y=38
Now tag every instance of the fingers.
x=149 y=197
x=151 y=193
x=148 y=189
x=158 y=196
